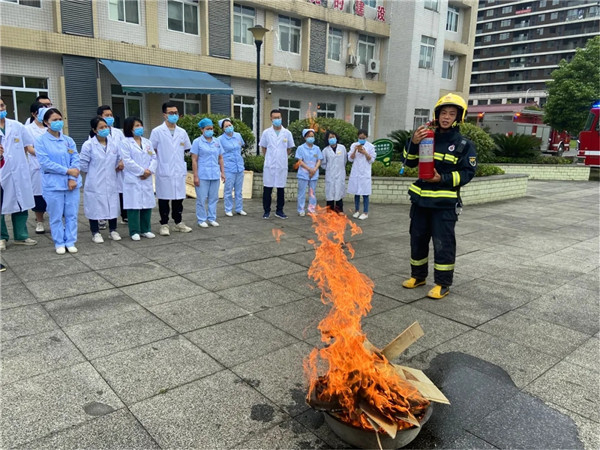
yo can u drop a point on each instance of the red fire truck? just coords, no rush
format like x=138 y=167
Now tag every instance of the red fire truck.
x=589 y=138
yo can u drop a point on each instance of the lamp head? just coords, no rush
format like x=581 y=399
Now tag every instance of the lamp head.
x=258 y=32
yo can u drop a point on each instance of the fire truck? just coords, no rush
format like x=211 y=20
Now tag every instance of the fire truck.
x=589 y=138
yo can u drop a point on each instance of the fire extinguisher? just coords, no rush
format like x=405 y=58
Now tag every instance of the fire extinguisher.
x=426 y=161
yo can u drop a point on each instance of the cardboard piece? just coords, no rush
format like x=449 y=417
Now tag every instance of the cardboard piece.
x=403 y=341
x=390 y=427
x=422 y=383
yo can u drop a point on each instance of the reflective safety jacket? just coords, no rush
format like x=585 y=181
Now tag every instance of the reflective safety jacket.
x=454 y=162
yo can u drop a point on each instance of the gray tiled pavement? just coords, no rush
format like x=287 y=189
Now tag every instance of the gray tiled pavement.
x=196 y=340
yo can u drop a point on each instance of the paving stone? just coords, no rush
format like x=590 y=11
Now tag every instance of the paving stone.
x=25 y=321
x=219 y=278
x=507 y=295
x=15 y=294
x=117 y=430
x=109 y=256
x=21 y=255
x=279 y=376
x=32 y=355
x=76 y=284
x=588 y=430
x=538 y=334
x=164 y=290
x=380 y=304
x=197 y=312
x=131 y=329
x=240 y=340
x=88 y=307
x=260 y=295
x=315 y=422
x=299 y=318
x=376 y=266
x=152 y=369
x=587 y=355
x=135 y=273
x=8 y=277
x=290 y=432
x=298 y=282
x=192 y=262
x=391 y=286
x=218 y=411
x=41 y=270
x=303 y=258
x=272 y=267
x=571 y=386
x=35 y=407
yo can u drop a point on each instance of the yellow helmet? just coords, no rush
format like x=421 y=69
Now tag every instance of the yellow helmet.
x=453 y=100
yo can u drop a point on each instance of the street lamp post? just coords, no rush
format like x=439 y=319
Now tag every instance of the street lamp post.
x=258 y=32
x=527 y=96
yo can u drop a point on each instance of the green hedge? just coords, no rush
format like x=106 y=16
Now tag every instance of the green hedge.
x=347 y=133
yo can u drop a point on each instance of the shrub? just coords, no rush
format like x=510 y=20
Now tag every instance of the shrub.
x=347 y=133
x=516 y=146
x=254 y=163
x=190 y=124
x=483 y=142
x=486 y=170
x=399 y=138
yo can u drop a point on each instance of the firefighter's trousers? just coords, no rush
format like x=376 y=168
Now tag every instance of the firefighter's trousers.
x=425 y=224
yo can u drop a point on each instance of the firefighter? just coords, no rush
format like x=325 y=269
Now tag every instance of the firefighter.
x=436 y=202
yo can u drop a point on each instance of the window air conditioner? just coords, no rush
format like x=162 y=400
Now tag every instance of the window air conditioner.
x=373 y=66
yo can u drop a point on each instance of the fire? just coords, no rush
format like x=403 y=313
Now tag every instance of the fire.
x=277 y=233
x=349 y=377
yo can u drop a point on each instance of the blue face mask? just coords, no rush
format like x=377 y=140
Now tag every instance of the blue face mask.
x=104 y=133
x=229 y=129
x=310 y=140
x=332 y=141
x=109 y=121
x=57 y=125
x=208 y=133
x=362 y=141
x=173 y=118
x=277 y=122
x=139 y=131
x=3 y=114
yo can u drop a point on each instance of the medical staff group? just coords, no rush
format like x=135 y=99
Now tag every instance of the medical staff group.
x=40 y=169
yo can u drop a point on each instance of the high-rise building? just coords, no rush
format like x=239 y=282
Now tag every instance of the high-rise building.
x=519 y=44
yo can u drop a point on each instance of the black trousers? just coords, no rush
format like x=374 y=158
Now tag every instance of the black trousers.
x=123 y=210
x=267 y=192
x=95 y=225
x=163 y=210
x=336 y=205
x=437 y=224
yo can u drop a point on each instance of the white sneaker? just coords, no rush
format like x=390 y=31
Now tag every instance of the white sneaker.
x=114 y=236
x=97 y=238
x=2 y=244
x=39 y=228
x=301 y=213
x=61 y=250
x=214 y=223
x=72 y=249
x=164 y=230
x=27 y=241
x=242 y=213
x=356 y=214
x=203 y=225
x=149 y=235
x=182 y=228
x=135 y=237
x=228 y=213
x=363 y=216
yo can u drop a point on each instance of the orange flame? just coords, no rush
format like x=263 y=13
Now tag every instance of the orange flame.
x=312 y=119
x=346 y=373
x=277 y=233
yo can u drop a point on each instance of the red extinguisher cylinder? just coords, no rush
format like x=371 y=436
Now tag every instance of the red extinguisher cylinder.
x=426 y=161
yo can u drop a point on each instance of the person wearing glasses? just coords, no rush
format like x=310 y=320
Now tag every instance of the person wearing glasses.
x=44 y=100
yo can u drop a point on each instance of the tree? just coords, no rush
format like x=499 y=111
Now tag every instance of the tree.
x=574 y=88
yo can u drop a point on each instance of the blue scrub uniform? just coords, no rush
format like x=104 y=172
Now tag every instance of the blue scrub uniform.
x=234 y=170
x=209 y=173
x=309 y=156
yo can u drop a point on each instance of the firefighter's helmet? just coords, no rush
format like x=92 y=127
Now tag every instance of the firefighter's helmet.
x=451 y=100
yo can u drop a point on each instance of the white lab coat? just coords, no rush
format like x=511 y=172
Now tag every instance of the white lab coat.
x=276 y=159
x=334 y=163
x=117 y=136
x=14 y=175
x=359 y=182
x=138 y=193
x=171 y=168
x=34 y=164
x=100 y=191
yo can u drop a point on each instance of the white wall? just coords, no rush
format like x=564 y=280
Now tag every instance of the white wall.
x=281 y=58
x=121 y=31
x=13 y=14
x=247 y=52
x=338 y=67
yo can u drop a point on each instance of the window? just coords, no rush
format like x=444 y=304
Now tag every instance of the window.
x=485 y=39
x=366 y=48
x=125 y=104
x=506 y=9
x=448 y=67
x=489 y=26
x=542 y=3
x=505 y=23
x=541 y=17
x=34 y=3
x=124 y=11
x=326 y=110
x=19 y=93
x=452 y=19
x=289 y=34
x=431 y=4
x=362 y=117
x=243 y=18
x=421 y=118
x=243 y=109
x=182 y=16
x=555 y=2
x=371 y=3
x=188 y=103
x=489 y=13
x=427 y=50
x=554 y=16
x=334 y=44
x=290 y=111
x=504 y=36
x=540 y=31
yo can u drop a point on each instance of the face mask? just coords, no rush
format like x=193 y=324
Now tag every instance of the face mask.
x=229 y=129
x=208 y=133
x=362 y=141
x=104 y=133
x=139 y=131
x=3 y=114
x=109 y=121
x=57 y=125
x=277 y=122
x=332 y=141
x=310 y=140
x=173 y=118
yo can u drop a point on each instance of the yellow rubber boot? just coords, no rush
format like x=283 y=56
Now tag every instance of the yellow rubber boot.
x=438 y=292
x=412 y=283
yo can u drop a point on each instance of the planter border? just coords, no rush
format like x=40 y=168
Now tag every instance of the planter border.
x=549 y=172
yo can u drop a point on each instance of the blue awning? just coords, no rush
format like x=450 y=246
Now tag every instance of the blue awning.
x=164 y=80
